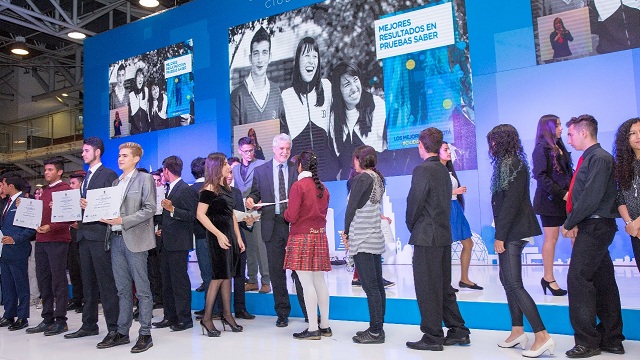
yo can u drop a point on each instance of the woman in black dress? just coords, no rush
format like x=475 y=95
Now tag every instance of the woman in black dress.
x=215 y=212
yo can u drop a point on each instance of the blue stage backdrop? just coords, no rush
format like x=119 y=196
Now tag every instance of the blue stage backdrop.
x=488 y=75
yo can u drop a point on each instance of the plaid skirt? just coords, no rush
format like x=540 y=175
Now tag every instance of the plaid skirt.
x=307 y=252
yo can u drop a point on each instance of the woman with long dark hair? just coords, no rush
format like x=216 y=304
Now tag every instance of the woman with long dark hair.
x=158 y=109
x=364 y=240
x=559 y=39
x=307 y=103
x=627 y=155
x=357 y=116
x=215 y=213
x=257 y=149
x=307 y=247
x=552 y=170
x=460 y=229
x=139 y=105
x=515 y=223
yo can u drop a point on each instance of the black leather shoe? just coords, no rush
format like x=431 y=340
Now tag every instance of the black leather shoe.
x=457 y=341
x=613 y=349
x=307 y=335
x=244 y=314
x=42 y=327
x=80 y=333
x=580 y=351
x=181 y=326
x=56 y=328
x=282 y=321
x=19 y=325
x=143 y=344
x=421 y=345
x=112 y=339
x=325 y=332
x=162 y=324
x=473 y=286
x=4 y=322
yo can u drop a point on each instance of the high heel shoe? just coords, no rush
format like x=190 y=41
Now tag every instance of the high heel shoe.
x=234 y=328
x=210 y=333
x=521 y=340
x=555 y=292
x=548 y=345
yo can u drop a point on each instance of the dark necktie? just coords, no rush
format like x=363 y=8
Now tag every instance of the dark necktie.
x=243 y=171
x=282 y=189
x=166 y=189
x=4 y=213
x=85 y=185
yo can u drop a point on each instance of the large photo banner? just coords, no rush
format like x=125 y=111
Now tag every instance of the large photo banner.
x=327 y=75
x=152 y=91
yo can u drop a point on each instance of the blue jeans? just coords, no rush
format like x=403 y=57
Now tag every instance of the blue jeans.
x=204 y=263
x=128 y=268
x=518 y=299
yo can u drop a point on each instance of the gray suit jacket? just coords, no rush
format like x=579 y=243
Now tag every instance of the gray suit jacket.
x=245 y=185
x=137 y=210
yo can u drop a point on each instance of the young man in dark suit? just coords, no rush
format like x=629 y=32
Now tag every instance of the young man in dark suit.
x=178 y=215
x=15 y=256
x=271 y=183
x=428 y=212
x=95 y=263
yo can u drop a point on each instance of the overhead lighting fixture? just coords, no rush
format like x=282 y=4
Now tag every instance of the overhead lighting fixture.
x=20 y=48
x=64 y=94
x=149 y=3
x=76 y=35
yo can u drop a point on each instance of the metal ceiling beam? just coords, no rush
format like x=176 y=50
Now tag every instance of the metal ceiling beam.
x=20 y=10
x=61 y=12
x=58 y=92
x=35 y=8
x=74 y=159
x=43 y=84
x=26 y=169
x=35 y=27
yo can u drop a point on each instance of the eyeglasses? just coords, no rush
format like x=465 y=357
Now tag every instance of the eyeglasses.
x=251 y=151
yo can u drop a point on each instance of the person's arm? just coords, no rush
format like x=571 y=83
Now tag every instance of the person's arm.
x=201 y=215
x=594 y=189
x=567 y=35
x=360 y=193
x=541 y=160
x=417 y=196
x=295 y=200
x=514 y=196
x=187 y=211
x=148 y=208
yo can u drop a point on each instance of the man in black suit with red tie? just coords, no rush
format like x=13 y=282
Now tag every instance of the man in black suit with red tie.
x=98 y=283
x=271 y=184
x=178 y=215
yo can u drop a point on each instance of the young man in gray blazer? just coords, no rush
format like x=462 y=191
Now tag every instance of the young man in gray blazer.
x=130 y=238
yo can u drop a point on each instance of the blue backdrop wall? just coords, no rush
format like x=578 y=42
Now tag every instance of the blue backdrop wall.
x=508 y=87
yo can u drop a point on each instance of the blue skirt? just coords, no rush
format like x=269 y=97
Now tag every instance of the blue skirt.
x=460 y=229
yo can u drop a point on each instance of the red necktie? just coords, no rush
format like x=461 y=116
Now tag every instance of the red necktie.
x=4 y=214
x=573 y=179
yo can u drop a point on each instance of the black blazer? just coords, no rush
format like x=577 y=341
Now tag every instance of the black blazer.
x=20 y=251
x=512 y=210
x=177 y=231
x=262 y=189
x=198 y=230
x=96 y=231
x=552 y=184
x=429 y=204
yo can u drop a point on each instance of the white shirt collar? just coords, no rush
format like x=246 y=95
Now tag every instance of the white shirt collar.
x=95 y=167
x=15 y=196
x=200 y=180
x=173 y=183
x=55 y=183
x=251 y=85
x=304 y=174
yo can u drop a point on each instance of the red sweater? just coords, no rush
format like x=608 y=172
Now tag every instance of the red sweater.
x=59 y=231
x=306 y=211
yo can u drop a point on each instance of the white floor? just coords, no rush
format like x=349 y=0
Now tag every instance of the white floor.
x=262 y=340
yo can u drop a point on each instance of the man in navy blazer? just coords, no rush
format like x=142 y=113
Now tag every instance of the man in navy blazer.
x=95 y=263
x=14 y=258
x=266 y=188
x=178 y=215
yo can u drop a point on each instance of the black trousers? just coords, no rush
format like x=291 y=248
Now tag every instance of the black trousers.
x=154 y=268
x=369 y=267
x=592 y=286
x=99 y=285
x=51 y=272
x=276 y=250
x=75 y=273
x=176 y=286
x=436 y=298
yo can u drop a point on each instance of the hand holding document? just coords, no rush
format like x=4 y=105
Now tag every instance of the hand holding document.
x=66 y=206
x=242 y=216
x=102 y=204
x=29 y=213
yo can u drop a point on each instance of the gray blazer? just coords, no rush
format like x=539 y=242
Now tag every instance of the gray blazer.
x=137 y=210
x=245 y=186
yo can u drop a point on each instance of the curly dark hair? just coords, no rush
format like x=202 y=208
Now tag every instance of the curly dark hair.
x=309 y=162
x=624 y=155
x=505 y=150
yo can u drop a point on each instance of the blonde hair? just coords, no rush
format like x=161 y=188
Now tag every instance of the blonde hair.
x=136 y=149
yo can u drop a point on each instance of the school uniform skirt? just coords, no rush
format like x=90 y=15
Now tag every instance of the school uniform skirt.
x=460 y=229
x=307 y=252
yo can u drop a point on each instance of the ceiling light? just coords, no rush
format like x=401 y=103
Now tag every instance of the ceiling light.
x=149 y=3
x=76 y=35
x=20 y=48
x=64 y=94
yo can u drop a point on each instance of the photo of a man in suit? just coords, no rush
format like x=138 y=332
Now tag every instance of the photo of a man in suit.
x=95 y=263
x=178 y=216
x=271 y=184
x=130 y=238
x=15 y=257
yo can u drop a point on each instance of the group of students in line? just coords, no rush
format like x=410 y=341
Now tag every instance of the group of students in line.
x=582 y=204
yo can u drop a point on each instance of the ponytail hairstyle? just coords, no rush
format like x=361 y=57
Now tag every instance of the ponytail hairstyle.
x=309 y=162
x=368 y=160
